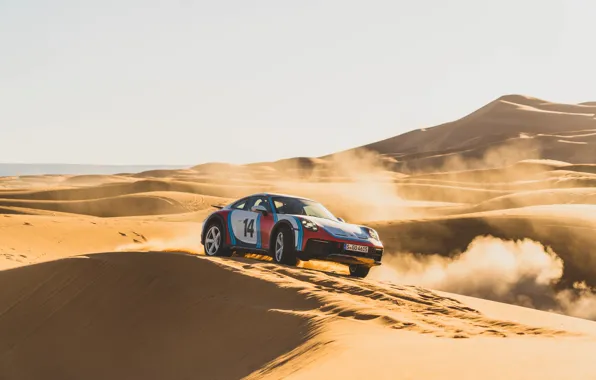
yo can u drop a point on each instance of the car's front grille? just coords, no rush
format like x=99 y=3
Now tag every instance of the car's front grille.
x=322 y=247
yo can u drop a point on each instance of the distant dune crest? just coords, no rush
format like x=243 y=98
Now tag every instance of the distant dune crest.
x=12 y=169
x=531 y=126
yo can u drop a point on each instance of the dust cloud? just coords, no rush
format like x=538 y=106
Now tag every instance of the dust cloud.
x=519 y=272
x=365 y=186
x=355 y=185
x=501 y=155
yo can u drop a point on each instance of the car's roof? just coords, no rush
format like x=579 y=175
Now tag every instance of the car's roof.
x=267 y=194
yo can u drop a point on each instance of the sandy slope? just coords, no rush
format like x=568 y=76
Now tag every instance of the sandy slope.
x=131 y=315
x=28 y=239
x=97 y=281
x=173 y=315
x=168 y=315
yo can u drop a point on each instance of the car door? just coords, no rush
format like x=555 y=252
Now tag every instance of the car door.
x=233 y=218
x=246 y=225
x=265 y=221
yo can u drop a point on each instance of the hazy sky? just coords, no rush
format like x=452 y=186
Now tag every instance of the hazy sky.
x=185 y=82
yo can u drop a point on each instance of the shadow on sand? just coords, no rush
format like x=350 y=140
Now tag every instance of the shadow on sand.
x=143 y=316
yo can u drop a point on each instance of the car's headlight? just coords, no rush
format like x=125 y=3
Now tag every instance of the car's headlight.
x=373 y=234
x=309 y=225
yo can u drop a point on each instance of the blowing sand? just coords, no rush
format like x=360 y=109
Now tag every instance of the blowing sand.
x=488 y=273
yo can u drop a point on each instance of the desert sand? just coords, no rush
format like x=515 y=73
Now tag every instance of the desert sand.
x=488 y=271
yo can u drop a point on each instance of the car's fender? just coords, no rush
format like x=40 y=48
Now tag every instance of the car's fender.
x=217 y=215
x=293 y=224
x=363 y=227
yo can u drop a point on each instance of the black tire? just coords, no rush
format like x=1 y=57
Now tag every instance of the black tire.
x=215 y=238
x=360 y=271
x=287 y=255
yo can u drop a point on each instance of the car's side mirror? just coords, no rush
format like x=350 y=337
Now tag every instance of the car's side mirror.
x=261 y=209
x=341 y=220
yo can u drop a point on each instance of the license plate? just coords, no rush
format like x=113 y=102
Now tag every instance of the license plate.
x=356 y=248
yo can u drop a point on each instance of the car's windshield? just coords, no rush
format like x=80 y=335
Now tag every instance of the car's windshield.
x=297 y=206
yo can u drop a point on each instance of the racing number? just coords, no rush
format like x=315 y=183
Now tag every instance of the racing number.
x=249 y=227
x=245 y=226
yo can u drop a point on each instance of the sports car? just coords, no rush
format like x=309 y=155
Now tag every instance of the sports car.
x=289 y=229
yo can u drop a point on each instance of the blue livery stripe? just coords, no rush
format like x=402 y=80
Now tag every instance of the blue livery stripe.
x=272 y=205
x=230 y=230
x=258 y=230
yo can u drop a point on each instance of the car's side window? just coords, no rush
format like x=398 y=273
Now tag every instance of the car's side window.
x=256 y=201
x=288 y=206
x=278 y=205
x=240 y=205
x=264 y=202
x=282 y=206
x=249 y=202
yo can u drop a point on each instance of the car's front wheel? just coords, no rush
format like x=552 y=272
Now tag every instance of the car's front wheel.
x=214 y=241
x=360 y=271
x=282 y=249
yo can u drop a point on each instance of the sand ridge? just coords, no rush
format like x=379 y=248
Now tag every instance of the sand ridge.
x=75 y=314
x=488 y=222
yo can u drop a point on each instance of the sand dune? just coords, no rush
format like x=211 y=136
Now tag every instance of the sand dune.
x=193 y=314
x=119 y=199
x=14 y=169
x=90 y=180
x=134 y=187
x=489 y=224
x=522 y=126
x=125 y=205
x=586 y=168
x=509 y=115
x=98 y=309
x=169 y=314
x=584 y=195
x=146 y=203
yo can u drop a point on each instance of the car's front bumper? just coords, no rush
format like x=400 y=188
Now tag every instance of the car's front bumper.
x=319 y=249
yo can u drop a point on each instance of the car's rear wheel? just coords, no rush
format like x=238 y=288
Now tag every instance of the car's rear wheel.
x=359 y=270
x=214 y=241
x=282 y=249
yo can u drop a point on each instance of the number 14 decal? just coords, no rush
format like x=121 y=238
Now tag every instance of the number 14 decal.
x=249 y=225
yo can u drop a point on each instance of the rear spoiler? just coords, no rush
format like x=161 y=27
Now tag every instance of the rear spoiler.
x=218 y=207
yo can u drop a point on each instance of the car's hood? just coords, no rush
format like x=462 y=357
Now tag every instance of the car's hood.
x=340 y=229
